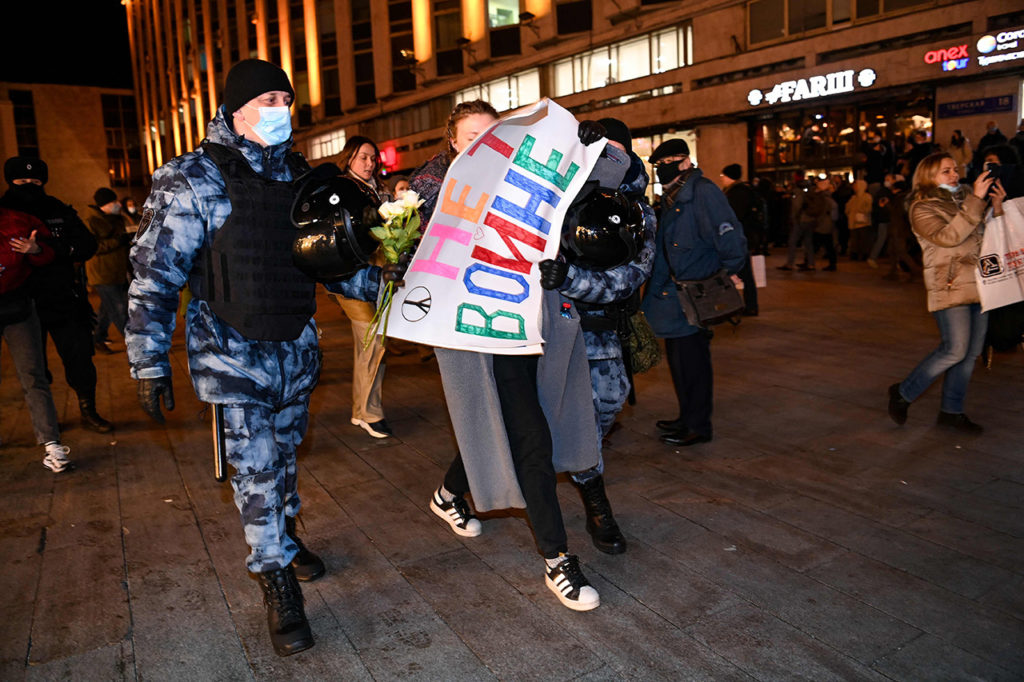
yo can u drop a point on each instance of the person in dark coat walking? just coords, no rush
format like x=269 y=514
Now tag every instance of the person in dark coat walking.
x=58 y=288
x=108 y=269
x=751 y=211
x=991 y=138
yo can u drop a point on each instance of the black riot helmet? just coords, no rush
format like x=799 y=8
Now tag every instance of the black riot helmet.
x=603 y=231
x=334 y=215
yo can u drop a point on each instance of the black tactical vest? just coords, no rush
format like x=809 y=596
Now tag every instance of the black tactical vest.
x=246 y=273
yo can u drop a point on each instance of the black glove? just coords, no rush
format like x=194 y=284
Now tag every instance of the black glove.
x=590 y=132
x=150 y=391
x=395 y=272
x=552 y=273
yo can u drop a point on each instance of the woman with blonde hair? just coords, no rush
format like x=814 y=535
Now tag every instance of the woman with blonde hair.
x=946 y=218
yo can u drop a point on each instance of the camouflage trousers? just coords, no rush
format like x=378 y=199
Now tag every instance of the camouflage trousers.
x=610 y=388
x=260 y=444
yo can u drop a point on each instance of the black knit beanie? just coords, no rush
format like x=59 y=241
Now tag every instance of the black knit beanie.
x=19 y=167
x=103 y=196
x=733 y=171
x=617 y=131
x=251 y=78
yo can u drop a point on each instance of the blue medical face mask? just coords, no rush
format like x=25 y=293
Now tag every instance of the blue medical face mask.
x=950 y=188
x=274 y=126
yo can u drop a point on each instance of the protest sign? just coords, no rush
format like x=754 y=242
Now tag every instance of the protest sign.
x=473 y=283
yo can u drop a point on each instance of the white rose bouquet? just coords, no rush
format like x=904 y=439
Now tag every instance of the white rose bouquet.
x=397 y=236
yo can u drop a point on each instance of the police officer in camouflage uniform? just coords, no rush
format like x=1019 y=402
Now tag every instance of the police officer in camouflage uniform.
x=218 y=220
x=603 y=297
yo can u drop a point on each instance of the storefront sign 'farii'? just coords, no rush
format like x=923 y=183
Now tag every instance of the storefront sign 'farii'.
x=815 y=86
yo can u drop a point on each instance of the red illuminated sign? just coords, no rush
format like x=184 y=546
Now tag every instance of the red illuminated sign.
x=954 y=52
x=389 y=157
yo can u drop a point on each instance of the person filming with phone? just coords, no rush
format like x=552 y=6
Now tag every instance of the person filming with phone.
x=947 y=218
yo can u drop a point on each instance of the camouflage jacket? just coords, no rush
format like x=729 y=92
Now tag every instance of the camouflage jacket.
x=186 y=207
x=616 y=284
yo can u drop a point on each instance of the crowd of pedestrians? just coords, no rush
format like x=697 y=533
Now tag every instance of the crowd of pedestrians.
x=218 y=224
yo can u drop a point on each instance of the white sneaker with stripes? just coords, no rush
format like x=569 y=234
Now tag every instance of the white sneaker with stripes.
x=571 y=587
x=56 y=459
x=456 y=514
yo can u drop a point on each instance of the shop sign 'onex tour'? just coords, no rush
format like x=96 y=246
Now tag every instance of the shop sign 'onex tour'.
x=811 y=88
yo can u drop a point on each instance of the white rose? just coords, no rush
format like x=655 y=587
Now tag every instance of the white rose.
x=411 y=200
x=391 y=209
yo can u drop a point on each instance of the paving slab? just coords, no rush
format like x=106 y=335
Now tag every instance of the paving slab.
x=812 y=538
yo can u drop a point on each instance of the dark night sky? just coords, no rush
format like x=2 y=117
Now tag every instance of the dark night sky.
x=79 y=42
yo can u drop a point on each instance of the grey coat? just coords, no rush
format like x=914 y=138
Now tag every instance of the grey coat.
x=565 y=396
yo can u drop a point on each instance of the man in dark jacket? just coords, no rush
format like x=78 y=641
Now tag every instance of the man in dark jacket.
x=698 y=235
x=991 y=138
x=108 y=269
x=58 y=288
x=751 y=211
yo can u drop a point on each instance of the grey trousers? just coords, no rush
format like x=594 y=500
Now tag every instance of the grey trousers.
x=24 y=341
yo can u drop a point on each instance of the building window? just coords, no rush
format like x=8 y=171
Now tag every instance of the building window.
x=502 y=13
x=326 y=145
x=447 y=30
x=574 y=16
x=400 y=23
x=121 y=128
x=25 y=122
x=629 y=59
x=775 y=19
x=362 y=50
x=329 y=74
x=505 y=41
x=508 y=92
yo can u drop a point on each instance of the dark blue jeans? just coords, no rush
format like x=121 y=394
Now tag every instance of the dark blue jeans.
x=962 y=329
x=113 y=309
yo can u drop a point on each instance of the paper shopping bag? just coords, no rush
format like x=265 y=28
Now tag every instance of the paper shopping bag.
x=1000 y=273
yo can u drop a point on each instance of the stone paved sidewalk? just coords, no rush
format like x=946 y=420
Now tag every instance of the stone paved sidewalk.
x=812 y=539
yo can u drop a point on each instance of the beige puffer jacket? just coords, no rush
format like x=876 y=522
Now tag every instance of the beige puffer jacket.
x=950 y=238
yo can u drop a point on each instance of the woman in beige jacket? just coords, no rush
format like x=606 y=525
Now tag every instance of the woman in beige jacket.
x=858 y=217
x=947 y=219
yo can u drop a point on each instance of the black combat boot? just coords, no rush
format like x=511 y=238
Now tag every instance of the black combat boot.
x=90 y=419
x=307 y=566
x=286 y=618
x=601 y=524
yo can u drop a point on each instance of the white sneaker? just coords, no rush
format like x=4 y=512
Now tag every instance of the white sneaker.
x=376 y=429
x=571 y=587
x=56 y=459
x=456 y=514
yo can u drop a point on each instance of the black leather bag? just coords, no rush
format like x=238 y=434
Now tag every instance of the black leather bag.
x=711 y=301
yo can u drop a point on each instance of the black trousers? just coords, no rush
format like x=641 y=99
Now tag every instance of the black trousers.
x=746 y=275
x=826 y=242
x=529 y=439
x=73 y=341
x=689 y=362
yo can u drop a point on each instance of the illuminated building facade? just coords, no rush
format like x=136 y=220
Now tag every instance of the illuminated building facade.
x=88 y=136
x=779 y=86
